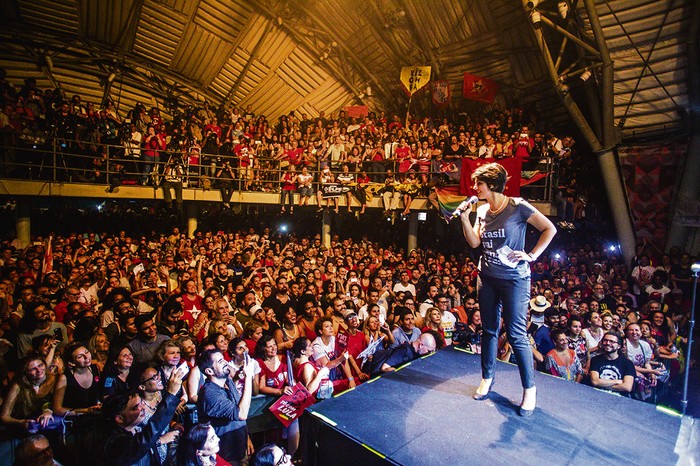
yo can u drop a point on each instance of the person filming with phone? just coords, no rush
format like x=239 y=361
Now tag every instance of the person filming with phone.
x=224 y=401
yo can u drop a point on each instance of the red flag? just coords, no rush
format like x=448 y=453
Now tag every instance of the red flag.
x=479 y=89
x=513 y=166
x=47 y=266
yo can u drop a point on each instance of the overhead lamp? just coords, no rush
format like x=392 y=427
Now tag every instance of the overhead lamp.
x=563 y=9
x=536 y=18
x=585 y=76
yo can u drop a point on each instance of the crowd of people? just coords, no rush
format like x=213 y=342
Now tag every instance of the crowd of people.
x=144 y=332
x=157 y=349
x=232 y=148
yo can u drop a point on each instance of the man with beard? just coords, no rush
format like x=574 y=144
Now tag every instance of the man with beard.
x=406 y=332
x=281 y=299
x=610 y=370
x=246 y=300
x=606 y=302
x=128 y=443
x=224 y=401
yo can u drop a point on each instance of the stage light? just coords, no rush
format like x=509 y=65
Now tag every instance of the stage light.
x=586 y=75
x=422 y=216
x=612 y=248
x=283 y=228
x=563 y=9
x=532 y=4
x=111 y=77
x=536 y=18
x=557 y=256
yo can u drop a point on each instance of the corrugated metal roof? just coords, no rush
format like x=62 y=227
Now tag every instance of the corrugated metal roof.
x=647 y=42
x=272 y=55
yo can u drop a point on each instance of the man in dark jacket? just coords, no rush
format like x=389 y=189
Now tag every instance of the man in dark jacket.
x=125 y=444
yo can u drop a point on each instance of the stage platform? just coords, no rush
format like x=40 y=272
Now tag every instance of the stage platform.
x=424 y=414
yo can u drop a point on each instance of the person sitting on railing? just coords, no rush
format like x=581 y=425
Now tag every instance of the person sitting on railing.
x=172 y=179
x=224 y=179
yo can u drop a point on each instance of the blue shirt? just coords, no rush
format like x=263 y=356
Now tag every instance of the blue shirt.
x=504 y=230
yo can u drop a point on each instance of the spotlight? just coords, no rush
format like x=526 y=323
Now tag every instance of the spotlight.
x=279 y=21
x=532 y=4
x=557 y=256
x=283 y=228
x=563 y=9
x=585 y=76
x=536 y=18
x=111 y=77
x=612 y=248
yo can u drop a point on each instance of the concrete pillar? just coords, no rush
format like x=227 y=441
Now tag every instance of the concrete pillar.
x=412 y=231
x=326 y=228
x=23 y=222
x=191 y=210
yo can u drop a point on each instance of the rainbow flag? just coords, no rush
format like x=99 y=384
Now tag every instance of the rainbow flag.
x=448 y=198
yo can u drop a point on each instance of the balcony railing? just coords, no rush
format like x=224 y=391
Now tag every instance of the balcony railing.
x=59 y=160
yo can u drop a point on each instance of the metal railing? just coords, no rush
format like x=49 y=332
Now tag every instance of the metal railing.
x=60 y=160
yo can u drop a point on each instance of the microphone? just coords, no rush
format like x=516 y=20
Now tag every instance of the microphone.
x=464 y=206
x=695 y=268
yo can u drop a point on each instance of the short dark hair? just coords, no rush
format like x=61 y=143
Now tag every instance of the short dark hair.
x=205 y=360
x=115 y=405
x=493 y=174
x=616 y=335
x=319 y=323
x=265 y=456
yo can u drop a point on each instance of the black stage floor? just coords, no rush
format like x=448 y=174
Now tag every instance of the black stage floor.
x=424 y=414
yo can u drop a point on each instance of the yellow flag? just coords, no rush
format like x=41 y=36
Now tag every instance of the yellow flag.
x=414 y=78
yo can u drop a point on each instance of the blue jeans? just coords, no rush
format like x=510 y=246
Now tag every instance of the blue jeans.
x=508 y=298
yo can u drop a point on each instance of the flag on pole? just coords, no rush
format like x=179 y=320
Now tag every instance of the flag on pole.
x=47 y=265
x=414 y=78
x=479 y=89
x=441 y=92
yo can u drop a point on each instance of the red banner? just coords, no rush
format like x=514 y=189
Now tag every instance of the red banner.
x=513 y=166
x=288 y=408
x=479 y=89
x=441 y=93
x=357 y=111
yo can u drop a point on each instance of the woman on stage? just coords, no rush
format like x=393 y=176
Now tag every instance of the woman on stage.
x=504 y=274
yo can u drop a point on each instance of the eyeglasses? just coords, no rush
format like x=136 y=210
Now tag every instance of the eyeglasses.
x=610 y=342
x=155 y=376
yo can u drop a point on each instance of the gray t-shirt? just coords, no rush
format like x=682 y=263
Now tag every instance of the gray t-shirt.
x=501 y=233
